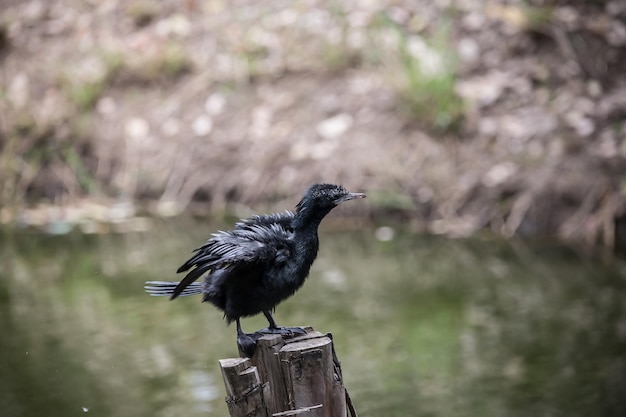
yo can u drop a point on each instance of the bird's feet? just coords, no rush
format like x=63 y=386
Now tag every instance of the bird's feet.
x=247 y=341
x=284 y=331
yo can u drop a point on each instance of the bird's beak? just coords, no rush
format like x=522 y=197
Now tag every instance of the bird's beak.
x=351 y=196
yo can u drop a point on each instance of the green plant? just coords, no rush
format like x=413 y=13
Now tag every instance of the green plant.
x=173 y=62
x=168 y=63
x=432 y=95
x=426 y=76
x=337 y=55
x=142 y=12
x=85 y=93
x=73 y=159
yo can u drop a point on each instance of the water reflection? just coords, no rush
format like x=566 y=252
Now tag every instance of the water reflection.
x=423 y=326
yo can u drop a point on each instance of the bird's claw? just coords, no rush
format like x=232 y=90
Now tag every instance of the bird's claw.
x=247 y=341
x=284 y=331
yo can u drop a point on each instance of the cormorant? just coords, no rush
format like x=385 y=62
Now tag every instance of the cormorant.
x=258 y=264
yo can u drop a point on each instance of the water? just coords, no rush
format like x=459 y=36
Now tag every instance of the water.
x=423 y=326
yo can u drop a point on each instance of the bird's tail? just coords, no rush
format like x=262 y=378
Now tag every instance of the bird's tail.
x=166 y=288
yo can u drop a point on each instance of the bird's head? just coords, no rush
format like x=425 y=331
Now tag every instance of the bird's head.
x=325 y=197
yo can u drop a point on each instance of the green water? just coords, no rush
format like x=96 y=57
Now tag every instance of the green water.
x=423 y=326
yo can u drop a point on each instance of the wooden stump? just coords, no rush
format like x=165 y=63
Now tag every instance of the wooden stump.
x=285 y=377
x=244 y=391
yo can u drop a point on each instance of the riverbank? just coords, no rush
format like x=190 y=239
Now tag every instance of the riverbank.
x=459 y=117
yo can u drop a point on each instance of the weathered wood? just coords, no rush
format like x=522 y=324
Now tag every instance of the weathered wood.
x=266 y=359
x=307 y=366
x=244 y=390
x=301 y=375
x=341 y=397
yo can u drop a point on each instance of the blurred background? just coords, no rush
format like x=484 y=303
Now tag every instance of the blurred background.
x=480 y=276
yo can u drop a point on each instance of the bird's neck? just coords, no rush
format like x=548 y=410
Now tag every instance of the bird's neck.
x=308 y=219
x=306 y=223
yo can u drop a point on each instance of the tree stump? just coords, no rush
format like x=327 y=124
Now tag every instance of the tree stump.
x=286 y=377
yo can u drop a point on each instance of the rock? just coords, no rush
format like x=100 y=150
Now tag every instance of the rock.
x=106 y=106
x=202 y=125
x=261 y=121
x=176 y=24
x=468 y=49
x=214 y=104
x=484 y=90
x=335 y=126
x=583 y=125
x=137 y=128
x=18 y=92
x=430 y=61
x=499 y=174
x=527 y=123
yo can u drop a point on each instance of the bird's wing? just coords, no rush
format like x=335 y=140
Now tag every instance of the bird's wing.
x=284 y=220
x=254 y=244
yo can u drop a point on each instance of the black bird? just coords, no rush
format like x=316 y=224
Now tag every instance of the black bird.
x=258 y=264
